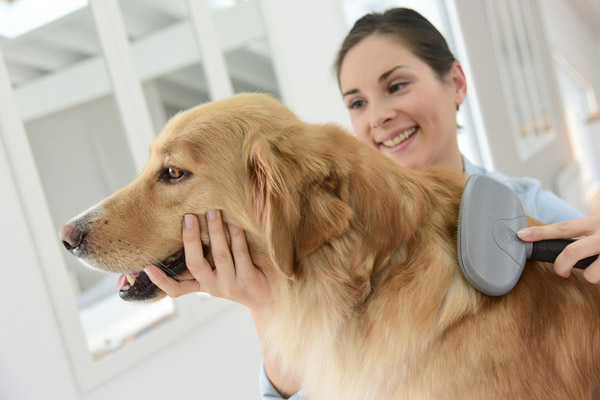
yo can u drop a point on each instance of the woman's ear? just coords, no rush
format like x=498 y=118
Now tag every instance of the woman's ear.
x=459 y=81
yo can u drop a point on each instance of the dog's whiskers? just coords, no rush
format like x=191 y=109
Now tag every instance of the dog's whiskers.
x=135 y=246
x=146 y=259
x=118 y=258
x=143 y=254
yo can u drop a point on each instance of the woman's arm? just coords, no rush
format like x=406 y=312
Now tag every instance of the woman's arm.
x=235 y=277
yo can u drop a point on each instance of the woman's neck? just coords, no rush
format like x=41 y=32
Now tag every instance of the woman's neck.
x=452 y=160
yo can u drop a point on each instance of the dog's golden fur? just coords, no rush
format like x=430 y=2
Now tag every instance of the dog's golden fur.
x=370 y=302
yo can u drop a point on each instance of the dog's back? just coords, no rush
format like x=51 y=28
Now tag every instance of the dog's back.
x=539 y=341
x=370 y=302
x=423 y=332
x=381 y=309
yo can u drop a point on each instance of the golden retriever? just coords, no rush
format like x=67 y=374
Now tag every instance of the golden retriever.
x=370 y=302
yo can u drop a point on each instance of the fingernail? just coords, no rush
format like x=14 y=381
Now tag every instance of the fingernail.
x=212 y=214
x=149 y=272
x=524 y=233
x=188 y=220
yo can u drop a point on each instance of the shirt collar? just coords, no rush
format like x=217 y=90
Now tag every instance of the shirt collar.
x=470 y=168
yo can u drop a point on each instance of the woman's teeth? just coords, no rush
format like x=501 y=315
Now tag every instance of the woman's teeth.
x=400 y=138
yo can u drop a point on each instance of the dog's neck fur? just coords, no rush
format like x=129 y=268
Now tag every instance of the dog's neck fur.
x=328 y=306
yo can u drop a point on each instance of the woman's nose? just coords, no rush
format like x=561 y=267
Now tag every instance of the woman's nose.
x=381 y=113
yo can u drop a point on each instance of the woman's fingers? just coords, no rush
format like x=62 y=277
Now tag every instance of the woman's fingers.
x=219 y=248
x=561 y=230
x=239 y=250
x=251 y=286
x=170 y=286
x=221 y=281
x=194 y=256
x=234 y=277
x=578 y=250
x=587 y=229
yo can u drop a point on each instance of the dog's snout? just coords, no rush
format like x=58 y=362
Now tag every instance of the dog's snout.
x=71 y=236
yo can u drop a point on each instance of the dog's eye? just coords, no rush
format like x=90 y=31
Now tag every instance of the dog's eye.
x=172 y=174
x=175 y=173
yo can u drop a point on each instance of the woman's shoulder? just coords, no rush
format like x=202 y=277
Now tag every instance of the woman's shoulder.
x=538 y=203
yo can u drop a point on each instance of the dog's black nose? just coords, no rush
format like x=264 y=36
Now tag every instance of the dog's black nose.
x=71 y=236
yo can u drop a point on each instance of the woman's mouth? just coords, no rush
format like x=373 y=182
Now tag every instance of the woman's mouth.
x=399 y=140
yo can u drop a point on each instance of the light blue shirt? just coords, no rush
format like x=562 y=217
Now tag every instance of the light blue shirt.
x=540 y=204
x=268 y=392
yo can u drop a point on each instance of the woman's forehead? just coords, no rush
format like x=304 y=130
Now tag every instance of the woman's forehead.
x=373 y=57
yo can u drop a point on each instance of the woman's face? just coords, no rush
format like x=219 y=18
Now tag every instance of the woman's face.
x=399 y=106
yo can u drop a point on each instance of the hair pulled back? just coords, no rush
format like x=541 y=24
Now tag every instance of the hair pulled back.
x=409 y=28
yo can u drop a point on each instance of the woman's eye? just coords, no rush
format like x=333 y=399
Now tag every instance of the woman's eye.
x=397 y=86
x=355 y=105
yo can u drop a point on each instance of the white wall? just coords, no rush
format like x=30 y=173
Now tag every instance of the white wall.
x=574 y=41
x=304 y=37
x=572 y=37
x=545 y=164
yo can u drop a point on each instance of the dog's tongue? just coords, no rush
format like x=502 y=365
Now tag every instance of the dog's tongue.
x=126 y=280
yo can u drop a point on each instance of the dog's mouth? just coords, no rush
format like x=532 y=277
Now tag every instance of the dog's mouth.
x=137 y=286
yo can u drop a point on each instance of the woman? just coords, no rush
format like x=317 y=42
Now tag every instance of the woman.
x=402 y=87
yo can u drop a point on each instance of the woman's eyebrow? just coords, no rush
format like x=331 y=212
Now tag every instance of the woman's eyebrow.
x=381 y=78
x=352 y=91
x=387 y=73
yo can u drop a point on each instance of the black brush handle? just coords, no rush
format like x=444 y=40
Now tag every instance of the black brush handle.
x=548 y=250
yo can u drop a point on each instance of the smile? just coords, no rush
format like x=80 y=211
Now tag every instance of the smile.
x=399 y=138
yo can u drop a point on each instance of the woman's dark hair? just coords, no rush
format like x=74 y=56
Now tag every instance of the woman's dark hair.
x=408 y=27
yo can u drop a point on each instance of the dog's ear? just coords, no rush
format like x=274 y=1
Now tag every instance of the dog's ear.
x=267 y=190
x=295 y=195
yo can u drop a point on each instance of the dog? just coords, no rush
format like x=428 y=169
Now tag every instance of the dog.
x=360 y=253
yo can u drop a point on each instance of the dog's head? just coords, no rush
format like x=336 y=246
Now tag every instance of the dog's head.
x=247 y=155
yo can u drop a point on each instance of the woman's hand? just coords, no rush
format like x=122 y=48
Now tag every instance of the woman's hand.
x=587 y=229
x=235 y=276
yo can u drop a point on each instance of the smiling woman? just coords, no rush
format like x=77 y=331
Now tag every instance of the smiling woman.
x=401 y=102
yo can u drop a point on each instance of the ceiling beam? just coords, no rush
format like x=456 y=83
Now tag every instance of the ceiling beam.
x=82 y=41
x=191 y=77
x=43 y=30
x=176 y=9
x=141 y=20
x=181 y=97
x=41 y=57
x=154 y=56
x=247 y=66
x=20 y=73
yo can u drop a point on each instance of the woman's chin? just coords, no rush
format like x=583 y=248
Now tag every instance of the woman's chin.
x=407 y=157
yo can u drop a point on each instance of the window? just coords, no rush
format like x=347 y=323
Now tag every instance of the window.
x=92 y=88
